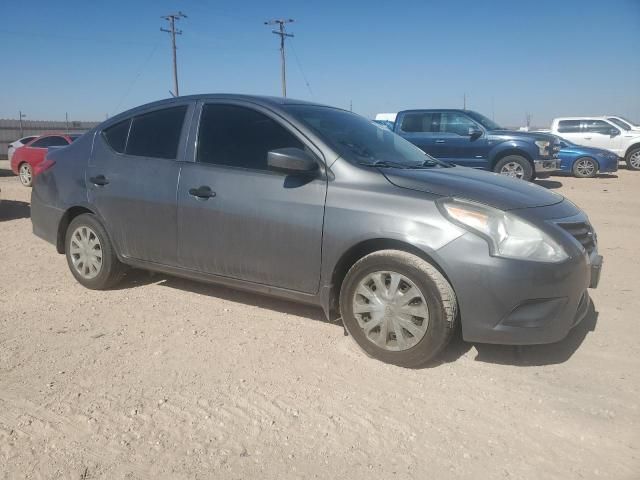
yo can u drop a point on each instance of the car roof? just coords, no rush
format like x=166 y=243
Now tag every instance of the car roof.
x=584 y=117
x=418 y=110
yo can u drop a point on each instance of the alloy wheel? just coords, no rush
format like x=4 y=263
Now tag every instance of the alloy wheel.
x=512 y=169
x=391 y=310
x=634 y=160
x=585 y=168
x=25 y=174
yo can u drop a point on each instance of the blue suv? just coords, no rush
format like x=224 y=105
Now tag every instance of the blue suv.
x=468 y=138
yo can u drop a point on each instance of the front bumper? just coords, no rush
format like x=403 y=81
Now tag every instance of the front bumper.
x=547 y=166
x=516 y=302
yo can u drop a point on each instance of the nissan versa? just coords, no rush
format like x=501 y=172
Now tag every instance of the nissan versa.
x=319 y=205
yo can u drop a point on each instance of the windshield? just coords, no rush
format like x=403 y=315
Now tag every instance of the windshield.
x=359 y=140
x=484 y=121
x=626 y=120
x=620 y=123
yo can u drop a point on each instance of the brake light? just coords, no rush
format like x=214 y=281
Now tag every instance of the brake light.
x=46 y=164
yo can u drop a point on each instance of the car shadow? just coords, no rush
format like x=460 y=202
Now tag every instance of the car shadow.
x=521 y=356
x=13 y=210
x=137 y=278
x=547 y=183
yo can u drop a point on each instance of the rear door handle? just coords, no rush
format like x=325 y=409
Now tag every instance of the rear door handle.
x=99 y=180
x=203 y=192
x=439 y=141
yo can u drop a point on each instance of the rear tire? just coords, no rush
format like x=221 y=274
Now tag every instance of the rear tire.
x=585 y=167
x=25 y=172
x=407 y=321
x=90 y=254
x=515 y=166
x=633 y=159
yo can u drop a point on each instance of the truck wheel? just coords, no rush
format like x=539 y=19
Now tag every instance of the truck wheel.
x=398 y=308
x=515 y=166
x=633 y=159
x=90 y=254
x=585 y=167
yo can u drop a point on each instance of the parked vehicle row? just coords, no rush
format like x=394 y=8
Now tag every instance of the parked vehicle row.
x=604 y=133
x=27 y=159
x=319 y=205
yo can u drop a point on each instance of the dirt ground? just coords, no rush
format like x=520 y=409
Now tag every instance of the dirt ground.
x=168 y=378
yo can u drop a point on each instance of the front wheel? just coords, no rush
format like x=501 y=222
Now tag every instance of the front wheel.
x=633 y=159
x=26 y=174
x=398 y=308
x=90 y=254
x=585 y=167
x=515 y=166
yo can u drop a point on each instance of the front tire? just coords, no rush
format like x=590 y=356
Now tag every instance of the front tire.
x=398 y=308
x=633 y=159
x=515 y=166
x=25 y=172
x=90 y=254
x=585 y=167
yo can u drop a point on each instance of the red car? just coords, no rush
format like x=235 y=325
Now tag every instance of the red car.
x=27 y=159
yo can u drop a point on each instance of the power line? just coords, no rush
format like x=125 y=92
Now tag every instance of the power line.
x=135 y=79
x=172 y=18
x=295 y=55
x=281 y=31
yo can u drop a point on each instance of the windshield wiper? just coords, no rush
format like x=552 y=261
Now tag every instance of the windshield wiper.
x=385 y=164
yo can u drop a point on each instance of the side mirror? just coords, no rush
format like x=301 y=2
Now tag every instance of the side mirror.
x=474 y=133
x=291 y=160
x=615 y=132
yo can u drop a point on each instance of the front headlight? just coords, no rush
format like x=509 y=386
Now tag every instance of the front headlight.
x=508 y=236
x=543 y=147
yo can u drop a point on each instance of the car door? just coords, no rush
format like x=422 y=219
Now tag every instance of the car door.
x=602 y=134
x=132 y=179
x=420 y=129
x=456 y=144
x=237 y=218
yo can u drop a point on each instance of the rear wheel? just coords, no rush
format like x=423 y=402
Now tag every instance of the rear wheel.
x=90 y=254
x=585 y=167
x=398 y=308
x=515 y=166
x=633 y=159
x=26 y=174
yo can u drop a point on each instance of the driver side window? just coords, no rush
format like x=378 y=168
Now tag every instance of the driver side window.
x=456 y=123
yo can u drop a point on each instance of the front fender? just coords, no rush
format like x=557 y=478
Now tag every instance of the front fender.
x=513 y=147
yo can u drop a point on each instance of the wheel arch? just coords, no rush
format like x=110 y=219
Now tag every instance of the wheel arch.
x=585 y=156
x=66 y=219
x=364 y=248
x=631 y=149
x=511 y=151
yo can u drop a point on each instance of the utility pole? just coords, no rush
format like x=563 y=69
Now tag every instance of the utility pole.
x=21 y=116
x=172 y=18
x=281 y=23
x=351 y=105
x=66 y=120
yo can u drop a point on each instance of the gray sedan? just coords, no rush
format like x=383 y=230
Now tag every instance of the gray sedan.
x=319 y=205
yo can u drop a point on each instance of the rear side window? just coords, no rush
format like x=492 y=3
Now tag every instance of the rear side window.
x=240 y=137
x=421 y=122
x=569 y=126
x=116 y=135
x=156 y=134
x=51 y=141
x=598 y=126
x=26 y=140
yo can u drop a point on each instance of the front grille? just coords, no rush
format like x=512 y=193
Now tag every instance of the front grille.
x=583 y=232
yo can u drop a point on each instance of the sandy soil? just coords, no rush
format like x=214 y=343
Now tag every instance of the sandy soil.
x=167 y=378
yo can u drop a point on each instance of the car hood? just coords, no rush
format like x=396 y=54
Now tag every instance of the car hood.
x=479 y=186
x=517 y=134
x=580 y=150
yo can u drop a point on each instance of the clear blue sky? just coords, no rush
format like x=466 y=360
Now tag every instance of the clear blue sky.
x=549 y=58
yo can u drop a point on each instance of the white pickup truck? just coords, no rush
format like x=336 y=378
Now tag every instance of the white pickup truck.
x=600 y=132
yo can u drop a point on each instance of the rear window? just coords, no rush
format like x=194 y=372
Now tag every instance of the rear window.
x=569 y=126
x=156 y=134
x=116 y=135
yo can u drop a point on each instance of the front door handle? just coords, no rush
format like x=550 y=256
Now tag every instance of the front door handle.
x=439 y=141
x=99 y=180
x=203 y=192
